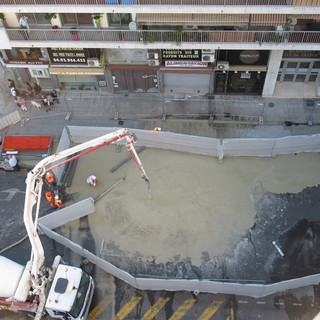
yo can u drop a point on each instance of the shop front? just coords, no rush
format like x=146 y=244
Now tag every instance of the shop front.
x=241 y=72
x=133 y=78
x=187 y=71
x=27 y=65
x=299 y=66
x=78 y=78
x=77 y=68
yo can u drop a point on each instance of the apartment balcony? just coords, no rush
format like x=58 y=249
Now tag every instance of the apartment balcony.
x=161 y=39
x=166 y=2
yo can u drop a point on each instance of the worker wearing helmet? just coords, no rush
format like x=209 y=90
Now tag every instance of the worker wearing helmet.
x=50 y=199
x=157 y=129
x=51 y=180
x=92 y=180
x=57 y=201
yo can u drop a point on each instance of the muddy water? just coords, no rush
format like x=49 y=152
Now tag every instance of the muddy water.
x=197 y=204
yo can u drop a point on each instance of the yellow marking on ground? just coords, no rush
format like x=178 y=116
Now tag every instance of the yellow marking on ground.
x=181 y=311
x=100 y=307
x=128 y=307
x=211 y=310
x=153 y=311
x=232 y=317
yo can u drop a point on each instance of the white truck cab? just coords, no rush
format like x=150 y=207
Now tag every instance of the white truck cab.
x=70 y=294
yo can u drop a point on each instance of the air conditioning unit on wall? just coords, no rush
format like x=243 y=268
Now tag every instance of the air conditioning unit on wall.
x=207 y=57
x=208 y=51
x=93 y=62
x=153 y=62
x=222 y=65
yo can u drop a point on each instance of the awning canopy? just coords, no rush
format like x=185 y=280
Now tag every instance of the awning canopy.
x=76 y=71
x=175 y=19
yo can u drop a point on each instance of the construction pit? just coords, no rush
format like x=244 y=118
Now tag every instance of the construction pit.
x=203 y=219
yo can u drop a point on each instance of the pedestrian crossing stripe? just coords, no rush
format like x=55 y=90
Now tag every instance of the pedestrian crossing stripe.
x=207 y=314
x=100 y=307
x=211 y=310
x=128 y=307
x=153 y=311
x=181 y=311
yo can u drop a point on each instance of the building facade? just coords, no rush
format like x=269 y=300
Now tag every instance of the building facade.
x=193 y=47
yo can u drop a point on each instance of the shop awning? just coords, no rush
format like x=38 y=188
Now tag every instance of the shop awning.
x=76 y=71
x=248 y=68
x=190 y=20
x=268 y=19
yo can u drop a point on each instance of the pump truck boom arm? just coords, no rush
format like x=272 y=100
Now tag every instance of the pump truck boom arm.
x=34 y=183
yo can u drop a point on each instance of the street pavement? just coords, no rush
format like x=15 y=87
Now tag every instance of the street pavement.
x=213 y=116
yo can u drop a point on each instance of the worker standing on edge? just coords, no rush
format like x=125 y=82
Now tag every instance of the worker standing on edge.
x=50 y=199
x=92 y=180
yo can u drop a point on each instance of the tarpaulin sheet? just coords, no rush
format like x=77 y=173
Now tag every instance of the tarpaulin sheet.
x=26 y=143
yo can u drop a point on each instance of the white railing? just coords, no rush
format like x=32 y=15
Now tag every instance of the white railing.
x=150 y=36
x=160 y=2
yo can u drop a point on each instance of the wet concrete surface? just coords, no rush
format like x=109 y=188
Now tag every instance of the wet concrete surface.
x=290 y=219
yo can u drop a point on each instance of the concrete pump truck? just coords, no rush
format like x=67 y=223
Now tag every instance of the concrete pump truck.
x=61 y=291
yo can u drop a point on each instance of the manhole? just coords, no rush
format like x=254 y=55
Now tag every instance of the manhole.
x=271 y=104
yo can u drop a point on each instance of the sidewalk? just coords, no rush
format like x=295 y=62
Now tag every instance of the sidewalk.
x=222 y=117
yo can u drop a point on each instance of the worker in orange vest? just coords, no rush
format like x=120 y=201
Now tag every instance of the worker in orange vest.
x=57 y=202
x=50 y=199
x=51 y=180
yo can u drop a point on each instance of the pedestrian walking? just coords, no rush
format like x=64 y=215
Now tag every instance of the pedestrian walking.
x=11 y=83
x=22 y=103
x=14 y=93
x=54 y=95
x=45 y=102
x=50 y=100
x=92 y=180
x=37 y=89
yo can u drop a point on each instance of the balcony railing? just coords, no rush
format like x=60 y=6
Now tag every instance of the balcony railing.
x=164 y=2
x=149 y=36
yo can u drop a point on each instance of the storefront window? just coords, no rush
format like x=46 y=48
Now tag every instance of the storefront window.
x=119 y=19
x=299 y=71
